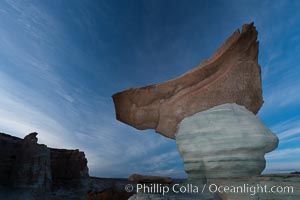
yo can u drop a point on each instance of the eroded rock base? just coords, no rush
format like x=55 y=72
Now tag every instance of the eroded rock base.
x=223 y=142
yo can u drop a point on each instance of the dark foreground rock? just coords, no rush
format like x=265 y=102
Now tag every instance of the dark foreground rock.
x=29 y=170
x=108 y=189
x=137 y=178
x=32 y=171
x=295 y=172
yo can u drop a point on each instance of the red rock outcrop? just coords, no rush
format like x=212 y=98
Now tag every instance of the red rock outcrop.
x=231 y=75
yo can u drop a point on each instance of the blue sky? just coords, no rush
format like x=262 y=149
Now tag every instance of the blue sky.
x=60 y=62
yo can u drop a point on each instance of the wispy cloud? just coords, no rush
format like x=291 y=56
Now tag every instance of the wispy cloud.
x=52 y=75
x=287 y=130
x=130 y=151
x=283 y=154
x=19 y=115
x=108 y=144
x=286 y=158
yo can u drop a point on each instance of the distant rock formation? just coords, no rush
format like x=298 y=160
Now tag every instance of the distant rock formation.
x=69 y=168
x=32 y=171
x=231 y=75
x=137 y=178
x=32 y=167
x=26 y=165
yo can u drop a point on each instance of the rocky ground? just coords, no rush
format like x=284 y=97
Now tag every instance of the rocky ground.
x=107 y=188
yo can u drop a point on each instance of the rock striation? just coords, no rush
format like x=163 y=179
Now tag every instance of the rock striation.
x=231 y=75
x=223 y=142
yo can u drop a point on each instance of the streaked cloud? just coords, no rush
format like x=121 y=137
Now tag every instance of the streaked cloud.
x=60 y=62
x=283 y=154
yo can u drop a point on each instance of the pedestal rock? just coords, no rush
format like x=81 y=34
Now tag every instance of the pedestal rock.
x=210 y=111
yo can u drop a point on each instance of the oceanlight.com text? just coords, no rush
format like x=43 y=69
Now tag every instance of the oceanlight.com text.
x=157 y=188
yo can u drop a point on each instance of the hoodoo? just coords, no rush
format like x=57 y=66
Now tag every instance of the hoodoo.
x=210 y=111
